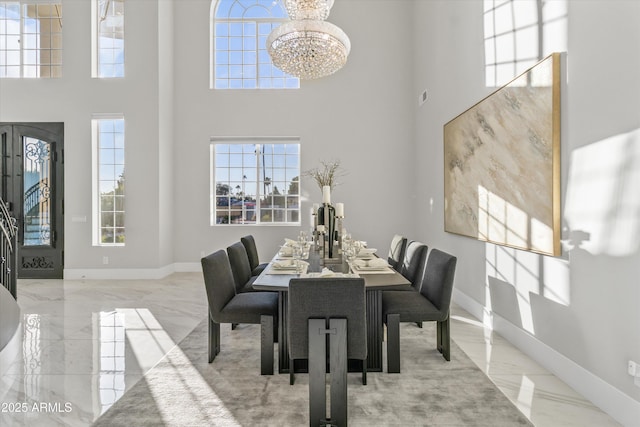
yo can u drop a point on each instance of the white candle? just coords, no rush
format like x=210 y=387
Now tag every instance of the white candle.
x=315 y=208
x=340 y=210
x=326 y=194
x=320 y=228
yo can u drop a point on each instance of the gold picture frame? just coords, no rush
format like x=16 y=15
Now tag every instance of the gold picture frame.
x=502 y=164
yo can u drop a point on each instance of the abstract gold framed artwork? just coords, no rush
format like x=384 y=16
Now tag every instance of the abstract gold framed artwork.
x=502 y=164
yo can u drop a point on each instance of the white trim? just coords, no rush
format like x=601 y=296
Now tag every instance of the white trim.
x=131 y=273
x=187 y=267
x=608 y=398
x=118 y=273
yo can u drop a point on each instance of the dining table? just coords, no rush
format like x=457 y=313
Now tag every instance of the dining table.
x=376 y=280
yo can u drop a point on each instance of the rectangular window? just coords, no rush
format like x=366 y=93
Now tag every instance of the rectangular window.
x=30 y=39
x=518 y=33
x=255 y=181
x=109 y=187
x=108 y=39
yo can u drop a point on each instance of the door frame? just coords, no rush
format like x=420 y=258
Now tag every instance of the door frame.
x=47 y=261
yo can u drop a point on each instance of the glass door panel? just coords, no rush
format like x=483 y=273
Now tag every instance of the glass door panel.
x=36 y=181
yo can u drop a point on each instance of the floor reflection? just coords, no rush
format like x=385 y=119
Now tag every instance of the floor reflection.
x=110 y=357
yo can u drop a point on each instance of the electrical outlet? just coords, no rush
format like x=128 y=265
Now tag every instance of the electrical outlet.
x=105 y=260
x=632 y=369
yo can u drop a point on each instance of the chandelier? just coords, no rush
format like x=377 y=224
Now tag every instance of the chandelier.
x=308 y=47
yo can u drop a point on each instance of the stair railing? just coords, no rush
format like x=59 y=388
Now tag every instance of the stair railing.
x=8 y=261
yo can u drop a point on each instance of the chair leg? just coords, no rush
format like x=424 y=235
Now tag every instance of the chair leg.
x=338 y=363
x=266 y=345
x=364 y=372
x=393 y=343
x=214 y=339
x=292 y=377
x=234 y=326
x=419 y=325
x=444 y=338
x=317 y=371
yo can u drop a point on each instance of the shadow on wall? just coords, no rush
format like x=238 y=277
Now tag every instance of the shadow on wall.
x=603 y=196
x=581 y=304
x=504 y=300
x=514 y=275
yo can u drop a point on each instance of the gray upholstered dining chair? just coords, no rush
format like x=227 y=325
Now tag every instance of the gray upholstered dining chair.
x=240 y=267
x=252 y=253
x=431 y=303
x=413 y=262
x=227 y=306
x=396 y=251
x=321 y=306
x=412 y=266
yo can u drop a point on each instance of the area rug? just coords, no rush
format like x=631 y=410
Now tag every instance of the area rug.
x=185 y=390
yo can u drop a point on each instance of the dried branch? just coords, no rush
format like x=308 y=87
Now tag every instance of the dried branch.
x=327 y=174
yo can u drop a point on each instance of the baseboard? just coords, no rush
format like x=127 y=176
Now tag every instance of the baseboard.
x=187 y=267
x=118 y=273
x=609 y=399
x=131 y=273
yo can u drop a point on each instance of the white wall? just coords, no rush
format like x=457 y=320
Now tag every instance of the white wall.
x=166 y=113
x=72 y=99
x=361 y=115
x=580 y=309
x=582 y=306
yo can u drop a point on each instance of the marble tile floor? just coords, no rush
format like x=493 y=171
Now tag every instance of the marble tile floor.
x=86 y=342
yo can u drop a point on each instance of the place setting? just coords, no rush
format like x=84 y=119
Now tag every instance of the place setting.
x=291 y=256
x=363 y=260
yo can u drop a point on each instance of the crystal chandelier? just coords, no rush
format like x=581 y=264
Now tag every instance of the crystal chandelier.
x=308 y=47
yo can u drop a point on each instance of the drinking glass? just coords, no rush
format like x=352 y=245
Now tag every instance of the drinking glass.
x=349 y=251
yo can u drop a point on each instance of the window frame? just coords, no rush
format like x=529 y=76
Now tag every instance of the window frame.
x=30 y=58
x=260 y=170
x=256 y=62
x=498 y=34
x=97 y=16
x=96 y=199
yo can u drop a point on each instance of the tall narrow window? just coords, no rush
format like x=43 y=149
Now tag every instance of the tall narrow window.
x=108 y=39
x=239 y=57
x=109 y=181
x=30 y=39
x=518 y=34
x=255 y=181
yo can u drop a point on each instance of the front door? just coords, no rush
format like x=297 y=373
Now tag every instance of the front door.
x=32 y=186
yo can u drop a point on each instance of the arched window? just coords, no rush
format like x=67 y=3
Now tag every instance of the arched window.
x=239 y=59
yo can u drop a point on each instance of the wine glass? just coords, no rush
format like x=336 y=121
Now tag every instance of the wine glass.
x=349 y=250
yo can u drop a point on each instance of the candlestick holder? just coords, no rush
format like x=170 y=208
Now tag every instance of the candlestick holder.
x=327 y=218
x=315 y=230
x=339 y=221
